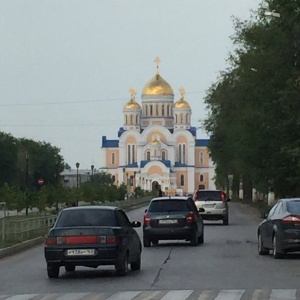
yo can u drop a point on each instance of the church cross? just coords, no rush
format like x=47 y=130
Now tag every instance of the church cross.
x=132 y=93
x=157 y=61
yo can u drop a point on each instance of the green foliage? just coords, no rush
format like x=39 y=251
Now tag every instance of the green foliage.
x=254 y=107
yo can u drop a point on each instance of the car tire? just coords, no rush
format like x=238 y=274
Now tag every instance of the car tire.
x=136 y=265
x=146 y=242
x=225 y=221
x=52 y=270
x=194 y=239
x=122 y=266
x=70 y=268
x=276 y=251
x=154 y=242
x=201 y=238
x=261 y=249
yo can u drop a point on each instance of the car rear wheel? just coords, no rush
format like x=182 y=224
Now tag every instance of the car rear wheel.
x=70 y=268
x=201 y=238
x=146 y=241
x=225 y=221
x=194 y=239
x=52 y=271
x=277 y=253
x=136 y=265
x=261 y=249
x=122 y=267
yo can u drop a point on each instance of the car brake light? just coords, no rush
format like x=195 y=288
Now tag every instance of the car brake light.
x=291 y=219
x=223 y=196
x=196 y=196
x=190 y=218
x=112 y=240
x=146 y=219
x=50 y=241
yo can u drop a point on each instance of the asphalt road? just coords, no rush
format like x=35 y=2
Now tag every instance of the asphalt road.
x=227 y=260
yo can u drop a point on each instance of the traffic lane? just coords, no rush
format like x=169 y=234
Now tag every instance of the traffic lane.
x=228 y=259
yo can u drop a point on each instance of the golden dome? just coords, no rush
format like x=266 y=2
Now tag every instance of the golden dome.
x=157 y=86
x=132 y=104
x=181 y=104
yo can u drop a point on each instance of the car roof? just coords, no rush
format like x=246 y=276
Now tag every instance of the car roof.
x=171 y=198
x=95 y=207
x=289 y=199
x=204 y=190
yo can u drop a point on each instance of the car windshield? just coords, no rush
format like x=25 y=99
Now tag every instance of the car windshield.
x=168 y=206
x=86 y=217
x=293 y=207
x=209 y=196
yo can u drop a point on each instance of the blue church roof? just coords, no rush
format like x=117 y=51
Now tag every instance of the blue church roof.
x=109 y=143
x=202 y=142
x=193 y=131
x=121 y=130
x=167 y=163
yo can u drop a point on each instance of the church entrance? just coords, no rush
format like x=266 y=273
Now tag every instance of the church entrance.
x=155 y=186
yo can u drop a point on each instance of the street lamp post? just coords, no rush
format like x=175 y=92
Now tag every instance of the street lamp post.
x=77 y=166
x=27 y=183
x=92 y=168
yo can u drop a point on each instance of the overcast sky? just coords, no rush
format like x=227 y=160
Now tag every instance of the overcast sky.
x=66 y=66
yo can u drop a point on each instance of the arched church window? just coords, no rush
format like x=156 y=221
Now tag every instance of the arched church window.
x=148 y=155
x=182 y=180
x=176 y=118
x=156 y=107
x=201 y=158
x=137 y=119
x=133 y=154
x=126 y=119
x=180 y=153
x=151 y=110
x=201 y=178
x=128 y=154
x=168 y=110
x=163 y=110
x=183 y=153
x=146 y=110
x=163 y=155
x=181 y=118
x=113 y=158
x=131 y=119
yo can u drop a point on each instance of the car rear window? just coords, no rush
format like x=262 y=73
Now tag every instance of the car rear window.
x=86 y=217
x=168 y=206
x=209 y=195
x=293 y=207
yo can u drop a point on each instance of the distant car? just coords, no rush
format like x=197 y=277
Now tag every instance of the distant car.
x=280 y=230
x=172 y=218
x=214 y=203
x=91 y=236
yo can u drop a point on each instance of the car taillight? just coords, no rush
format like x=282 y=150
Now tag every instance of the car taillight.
x=223 y=196
x=76 y=239
x=112 y=240
x=50 y=241
x=146 y=219
x=195 y=197
x=190 y=218
x=291 y=219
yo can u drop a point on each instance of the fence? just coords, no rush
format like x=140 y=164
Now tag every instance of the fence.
x=14 y=231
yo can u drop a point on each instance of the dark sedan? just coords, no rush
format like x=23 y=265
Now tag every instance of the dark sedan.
x=280 y=231
x=172 y=218
x=91 y=236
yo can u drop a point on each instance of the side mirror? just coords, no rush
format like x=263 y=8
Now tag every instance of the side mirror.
x=136 y=224
x=262 y=215
x=201 y=209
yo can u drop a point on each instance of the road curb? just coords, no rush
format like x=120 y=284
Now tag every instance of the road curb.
x=15 y=249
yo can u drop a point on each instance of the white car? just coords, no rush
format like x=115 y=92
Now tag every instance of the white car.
x=214 y=203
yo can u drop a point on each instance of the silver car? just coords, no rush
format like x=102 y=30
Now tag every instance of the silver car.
x=214 y=203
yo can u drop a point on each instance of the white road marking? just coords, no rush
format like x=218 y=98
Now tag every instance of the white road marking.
x=124 y=295
x=283 y=294
x=230 y=295
x=177 y=295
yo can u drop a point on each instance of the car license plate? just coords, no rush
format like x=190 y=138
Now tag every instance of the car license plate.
x=209 y=205
x=84 y=252
x=168 y=221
